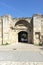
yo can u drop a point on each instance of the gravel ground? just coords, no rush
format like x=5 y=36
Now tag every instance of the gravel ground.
x=20 y=63
x=21 y=53
x=31 y=56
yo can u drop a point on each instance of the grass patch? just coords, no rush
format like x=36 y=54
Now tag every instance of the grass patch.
x=36 y=44
x=6 y=44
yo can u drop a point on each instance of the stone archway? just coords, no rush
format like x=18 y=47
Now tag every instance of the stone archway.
x=23 y=30
x=23 y=23
x=23 y=36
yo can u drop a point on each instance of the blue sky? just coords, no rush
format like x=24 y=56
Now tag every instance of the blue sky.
x=21 y=8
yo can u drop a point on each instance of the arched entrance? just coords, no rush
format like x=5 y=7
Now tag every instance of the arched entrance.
x=24 y=29
x=23 y=36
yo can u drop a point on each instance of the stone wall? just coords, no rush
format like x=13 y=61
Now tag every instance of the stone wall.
x=1 y=30
x=37 y=28
x=10 y=27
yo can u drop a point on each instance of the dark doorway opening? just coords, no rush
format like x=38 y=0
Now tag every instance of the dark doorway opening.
x=23 y=36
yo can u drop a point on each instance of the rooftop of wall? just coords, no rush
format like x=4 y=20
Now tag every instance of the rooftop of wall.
x=22 y=18
x=41 y=15
x=6 y=15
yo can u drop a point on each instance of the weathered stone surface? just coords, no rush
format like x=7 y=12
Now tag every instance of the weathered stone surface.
x=10 y=27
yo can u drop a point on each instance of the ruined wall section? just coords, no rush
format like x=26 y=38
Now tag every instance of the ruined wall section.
x=36 y=29
x=1 y=31
x=7 y=20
